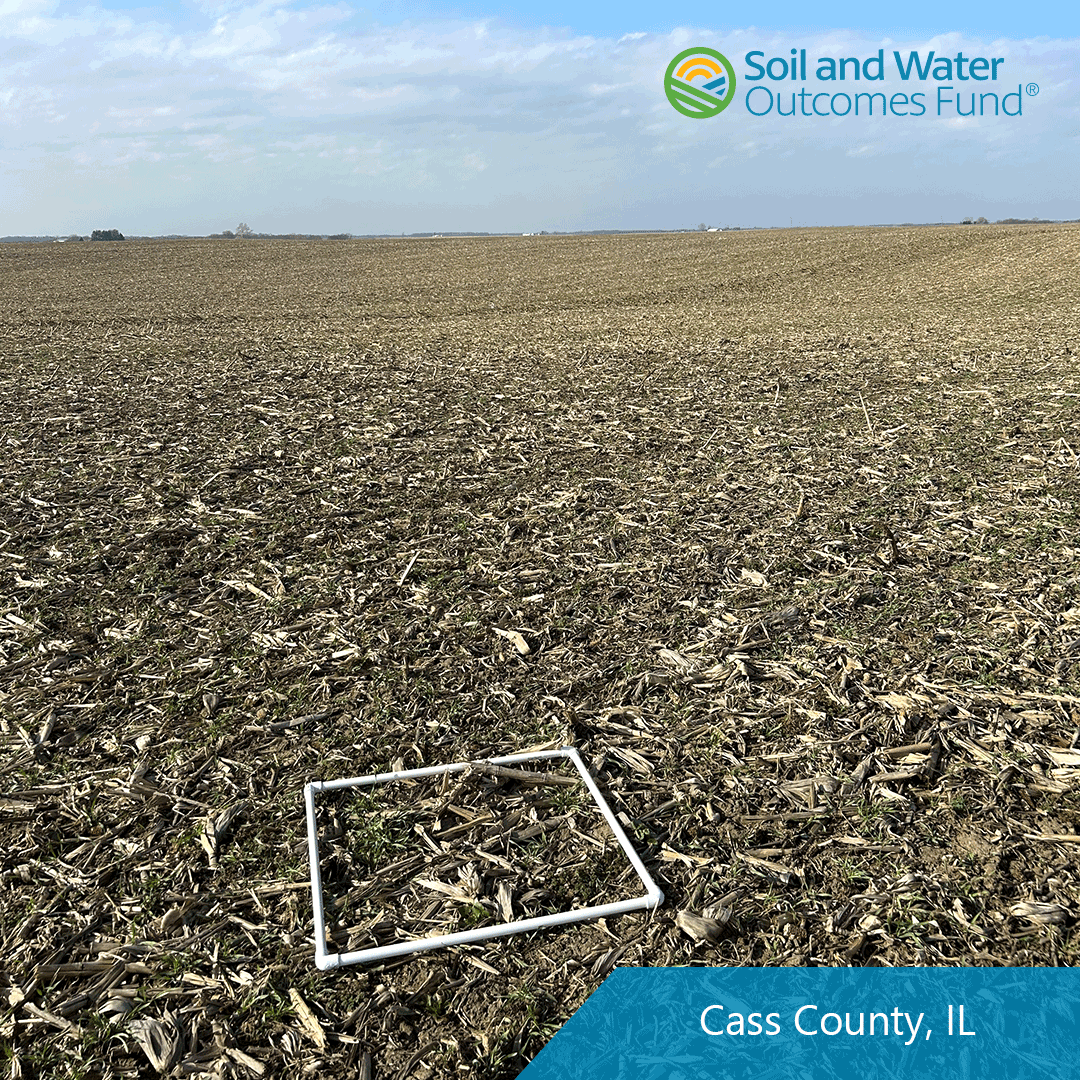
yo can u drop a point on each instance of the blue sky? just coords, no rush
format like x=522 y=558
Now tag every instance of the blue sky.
x=447 y=115
x=913 y=17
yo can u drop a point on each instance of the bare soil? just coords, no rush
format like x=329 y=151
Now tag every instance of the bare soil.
x=780 y=529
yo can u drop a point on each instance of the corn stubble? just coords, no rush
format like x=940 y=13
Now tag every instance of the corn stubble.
x=779 y=528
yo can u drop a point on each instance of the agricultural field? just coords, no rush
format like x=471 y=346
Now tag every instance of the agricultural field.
x=779 y=529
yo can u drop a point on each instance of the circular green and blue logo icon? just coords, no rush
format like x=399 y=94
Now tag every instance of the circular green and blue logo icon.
x=700 y=83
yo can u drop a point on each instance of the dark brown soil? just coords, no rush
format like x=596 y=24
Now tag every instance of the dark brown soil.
x=786 y=522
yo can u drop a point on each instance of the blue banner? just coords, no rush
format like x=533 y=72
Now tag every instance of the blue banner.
x=822 y=1024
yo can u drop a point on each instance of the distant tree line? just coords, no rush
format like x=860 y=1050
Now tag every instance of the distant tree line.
x=245 y=232
x=242 y=231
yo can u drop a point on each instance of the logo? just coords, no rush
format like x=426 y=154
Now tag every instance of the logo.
x=700 y=83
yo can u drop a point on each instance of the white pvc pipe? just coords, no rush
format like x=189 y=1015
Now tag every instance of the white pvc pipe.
x=325 y=961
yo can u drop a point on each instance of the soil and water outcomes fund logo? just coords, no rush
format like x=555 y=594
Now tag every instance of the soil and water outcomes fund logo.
x=700 y=83
x=896 y=85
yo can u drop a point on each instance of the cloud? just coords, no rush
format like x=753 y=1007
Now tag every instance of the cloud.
x=459 y=112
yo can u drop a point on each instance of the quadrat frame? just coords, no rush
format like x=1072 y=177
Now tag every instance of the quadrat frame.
x=326 y=960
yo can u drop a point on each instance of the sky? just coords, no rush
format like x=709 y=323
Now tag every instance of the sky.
x=330 y=116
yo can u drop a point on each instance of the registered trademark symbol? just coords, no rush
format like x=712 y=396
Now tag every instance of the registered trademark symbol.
x=1032 y=89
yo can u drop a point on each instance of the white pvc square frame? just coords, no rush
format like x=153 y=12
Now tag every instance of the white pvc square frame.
x=325 y=960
